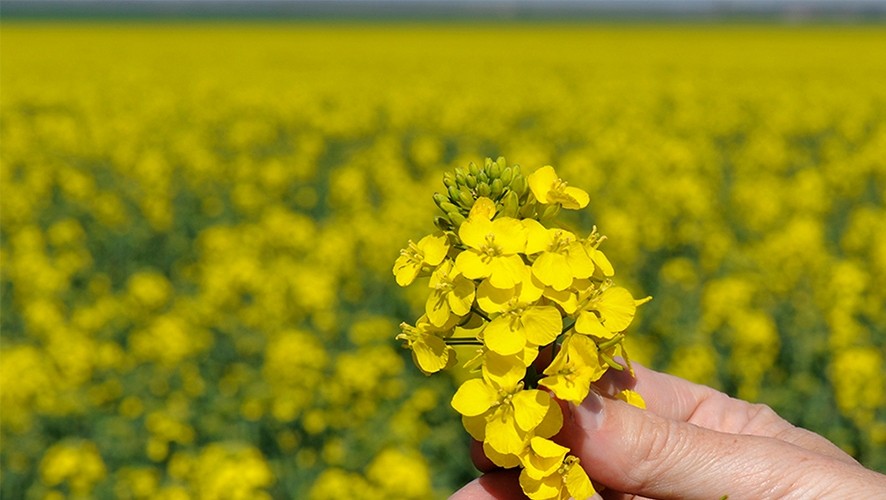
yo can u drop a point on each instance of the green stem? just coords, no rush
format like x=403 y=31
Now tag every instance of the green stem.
x=480 y=313
x=462 y=341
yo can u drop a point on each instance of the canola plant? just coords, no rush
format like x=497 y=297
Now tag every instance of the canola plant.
x=199 y=222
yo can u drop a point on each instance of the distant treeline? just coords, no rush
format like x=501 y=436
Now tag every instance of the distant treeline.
x=795 y=11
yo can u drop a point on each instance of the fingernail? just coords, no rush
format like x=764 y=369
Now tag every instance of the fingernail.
x=590 y=413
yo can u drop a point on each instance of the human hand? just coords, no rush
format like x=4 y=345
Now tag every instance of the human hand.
x=691 y=442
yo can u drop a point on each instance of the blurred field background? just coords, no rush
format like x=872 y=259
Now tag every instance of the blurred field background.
x=199 y=223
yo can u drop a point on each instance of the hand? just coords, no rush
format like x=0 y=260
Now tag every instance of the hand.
x=691 y=442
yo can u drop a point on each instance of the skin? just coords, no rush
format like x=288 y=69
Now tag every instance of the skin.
x=693 y=442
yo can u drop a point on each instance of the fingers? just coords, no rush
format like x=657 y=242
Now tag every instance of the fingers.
x=497 y=485
x=677 y=399
x=639 y=452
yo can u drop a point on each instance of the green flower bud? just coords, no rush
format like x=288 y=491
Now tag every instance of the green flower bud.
x=519 y=184
x=439 y=199
x=483 y=189
x=443 y=224
x=465 y=197
x=510 y=205
x=460 y=171
x=502 y=162
x=474 y=170
x=448 y=179
x=471 y=181
x=483 y=178
x=494 y=171
x=496 y=188
x=506 y=176
x=550 y=212
x=449 y=207
x=460 y=179
x=454 y=194
x=457 y=219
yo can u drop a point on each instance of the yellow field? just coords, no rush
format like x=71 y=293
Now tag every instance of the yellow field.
x=199 y=223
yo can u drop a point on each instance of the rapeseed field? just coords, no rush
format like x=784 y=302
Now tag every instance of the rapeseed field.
x=199 y=223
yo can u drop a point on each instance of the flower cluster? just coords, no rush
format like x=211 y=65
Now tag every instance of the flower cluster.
x=505 y=277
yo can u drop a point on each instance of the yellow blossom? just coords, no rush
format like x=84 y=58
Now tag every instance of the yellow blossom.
x=550 y=189
x=509 y=410
x=568 y=481
x=573 y=369
x=520 y=322
x=429 y=350
x=430 y=251
x=450 y=293
x=561 y=256
x=493 y=247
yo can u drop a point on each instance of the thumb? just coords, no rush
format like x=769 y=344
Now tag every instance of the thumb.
x=635 y=451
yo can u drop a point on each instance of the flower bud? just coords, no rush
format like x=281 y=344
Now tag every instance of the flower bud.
x=496 y=189
x=506 y=176
x=443 y=223
x=465 y=197
x=448 y=179
x=471 y=181
x=439 y=199
x=510 y=205
x=483 y=189
x=474 y=170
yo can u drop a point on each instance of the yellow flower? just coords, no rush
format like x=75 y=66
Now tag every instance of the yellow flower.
x=493 y=247
x=568 y=481
x=430 y=251
x=510 y=412
x=451 y=293
x=562 y=257
x=571 y=372
x=429 y=350
x=543 y=457
x=550 y=189
x=606 y=313
x=519 y=322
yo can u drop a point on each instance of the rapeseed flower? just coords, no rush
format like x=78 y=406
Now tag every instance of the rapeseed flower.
x=549 y=189
x=429 y=251
x=505 y=286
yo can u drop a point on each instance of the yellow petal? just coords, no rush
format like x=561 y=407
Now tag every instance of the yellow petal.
x=578 y=198
x=499 y=337
x=476 y=426
x=602 y=263
x=510 y=235
x=473 y=232
x=538 y=238
x=577 y=482
x=542 y=324
x=507 y=461
x=483 y=208
x=617 y=308
x=462 y=296
x=530 y=407
x=405 y=270
x=632 y=398
x=471 y=265
x=579 y=261
x=432 y=354
x=492 y=299
x=505 y=271
x=552 y=270
x=546 y=488
x=541 y=181
x=589 y=324
x=474 y=397
x=434 y=247
x=503 y=435
x=551 y=423
x=505 y=372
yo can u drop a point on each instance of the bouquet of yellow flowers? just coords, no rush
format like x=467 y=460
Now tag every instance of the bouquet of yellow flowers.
x=506 y=278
